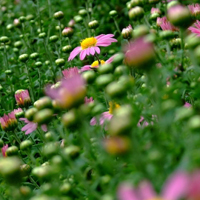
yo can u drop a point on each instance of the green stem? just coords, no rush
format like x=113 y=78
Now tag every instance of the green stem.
x=6 y=57
x=183 y=48
x=116 y=24
x=60 y=34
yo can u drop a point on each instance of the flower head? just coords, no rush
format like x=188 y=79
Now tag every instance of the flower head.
x=195 y=29
x=8 y=122
x=155 y=10
x=194 y=9
x=165 y=24
x=22 y=98
x=70 y=72
x=31 y=126
x=3 y=150
x=90 y=46
x=127 y=32
x=88 y=100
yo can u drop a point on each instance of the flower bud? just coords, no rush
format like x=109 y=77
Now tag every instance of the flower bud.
x=136 y=13
x=34 y=55
x=78 y=19
x=38 y=64
x=25 y=169
x=4 y=39
x=23 y=57
x=43 y=116
x=29 y=17
x=89 y=76
x=42 y=35
x=53 y=38
x=18 y=44
x=17 y=23
x=72 y=151
x=8 y=72
x=29 y=114
x=44 y=102
x=93 y=24
x=25 y=191
x=12 y=151
x=105 y=68
x=179 y=16
x=115 y=90
x=121 y=70
x=67 y=48
x=192 y=41
x=58 y=15
x=82 y=12
x=127 y=32
x=140 y=31
x=22 y=98
x=113 y=13
x=65 y=188
x=67 y=32
x=49 y=136
x=9 y=26
x=50 y=149
x=194 y=122
x=70 y=118
x=167 y=34
x=60 y=62
x=25 y=145
x=172 y=3
x=71 y=23
x=104 y=80
x=22 y=19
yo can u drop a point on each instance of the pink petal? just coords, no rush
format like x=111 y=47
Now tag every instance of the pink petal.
x=74 y=53
x=146 y=191
x=110 y=59
x=176 y=186
x=44 y=127
x=85 y=68
x=83 y=54
x=93 y=121
x=92 y=51
x=97 y=49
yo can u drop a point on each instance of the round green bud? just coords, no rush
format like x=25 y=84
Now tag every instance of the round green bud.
x=194 y=122
x=25 y=191
x=4 y=39
x=32 y=21
x=78 y=19
x=67 y=48
x=58 y=28
x=22 y=19
x=103 y=80
x=50 y=149
x=25 y=169
x=12 y=151
x=29 y=114
x=38 y=64
x=8 y=71
x=44 y=102
x=65 y=188
x=140 y=31
x=18 y=44
x=89 y=76
x=34 y=55
x=167 y=34
x=53 y=38
x=67 y=32
x=47 y=62
x=25 y=145
x=115 y=90
x=9 y=26
x=17 y=23
x=154 y=16
x=23 y=57
x=172 y=3
x=58 y=15
x=29 y=17
x=93 y=24
x=72 y=151
x=105 y=68
x=70 y=118
x=49 y=136
x=42 y=35
x=43 y=116
x=60 y=62
x=136 y=13
x=113 y=13
x=82 y=12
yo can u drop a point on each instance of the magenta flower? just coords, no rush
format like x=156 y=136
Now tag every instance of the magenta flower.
x=22 y=98
x=18 y=110
x=88 y=100
x=3 y=150
x=69 y=92
x=31 y=126
x=155 y=10
x=68 y=73
x=165 y=24
x=195 y=29
x=187 y=105
x=90 y=46
x=174 y=189
x=95 y=64
x=194 y=9
x=8 y=122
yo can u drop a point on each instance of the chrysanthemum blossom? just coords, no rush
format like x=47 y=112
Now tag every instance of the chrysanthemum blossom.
x=90 y=46
x=196 y=28
x=31 y=126
x=127 y=32
x=3 y=150
x=67 y=73
x=69 y=92
x=88 y=100
x=95 y=64
x=175 y=188
x=105 y=116
x=155 y=10
x=194 y=9
x=165 y=24
x=22 y=98
x=8 y=122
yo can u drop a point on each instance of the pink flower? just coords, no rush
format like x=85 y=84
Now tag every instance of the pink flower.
x=90 y=46
x=127 y=32
x=95 y=64
x=174 y=189
x=70 y=72
x=31 y=126
x=22 y=98
x=194 y=9
x=8 y=122
x=187 y=105
x=165 y=24
x=195 y=29
x=155 y=10
x=18 y=110
x=88 y=100
x=70 y=92
x=3 y=150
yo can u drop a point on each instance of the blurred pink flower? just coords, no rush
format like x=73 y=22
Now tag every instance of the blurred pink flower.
x=67 y=73
x=18 y=110
x=22 y=98
x=174 y=189
x=187 y=105
x=95 y=64
x=31 y=126
x=165 y=24
x=90 y=46
x=194 y=9
x=8 y=122
x=3 y=150
x=88 y=100
x=195 y=29
x=155 y=10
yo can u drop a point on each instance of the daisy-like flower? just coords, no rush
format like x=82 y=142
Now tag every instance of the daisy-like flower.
x=165 y=24
x=22 y=98
x=67 y=73
x=194 y=9
x=95 y=64
x=31 y=126
x=195 y=29
x=90 y=46
x=105 y=116
x=174 y=189
x=8 y=122
x=3 y=150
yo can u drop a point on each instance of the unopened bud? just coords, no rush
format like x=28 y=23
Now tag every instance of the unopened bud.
x=67 y=32
x=4 y=39
x=25 y=169
x=82 y=12
x=42 y=35
x=34 y=55
x=127 y=32
x=136 y=13
x=60 y=62
x=23 y=57
x=78 y=19
x=29 y=114
x=25 y=145
x=104 y=80
x=93 y=24
x=22 y=19
x=12 y=151
x=89 y=76
x=72 y=151
x=53 y=38
x=113 y=13
x=67 y=48
x=43 y=116
x=58 y=15
x=44 y=102
x=70 y=118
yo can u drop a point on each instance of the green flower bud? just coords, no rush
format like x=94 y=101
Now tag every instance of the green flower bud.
x=12 y=151
x=22 y=19
x=107 y=197
x=154 y=16
x=140 y=31
x=60 y=62
x=50 y=149
x=9 y=26
x=58 y=28
x=29 y=114
x=8 y=72
x=34 y=55
x=18 y=44
x=167 y=34
x=38 y=64
x=47 y=62
x=58 y=15
x=115 y=89
x=194 y=122
x=25 y=191
x=136 y=13
x=32 y=22
x=121 y=70
x=19 y=114
x=72 y=151
x=44 y=102
x=23 y=57
x=4 y=39
x=29 y=17
x=25 y=169
x=67 y=32
x=82 y=12
x=49 y=136
x=113 y=13
x=192 y=41
x=16 y=50
x=104 y=80
x=42 y=35
x=98 y=109
x=43 y=116
x=65 y=188
x=172 y=3
x=105 y=68
x=70 y=118
x=67 y=48
x=25 y=145
x=53 y=38
x=78 y=19
x=89 y=76
x=17 y=23
x=93 y=24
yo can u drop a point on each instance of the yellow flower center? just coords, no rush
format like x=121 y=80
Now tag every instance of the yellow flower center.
x=95 y=64
x=88 y=42
x=113 y=106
